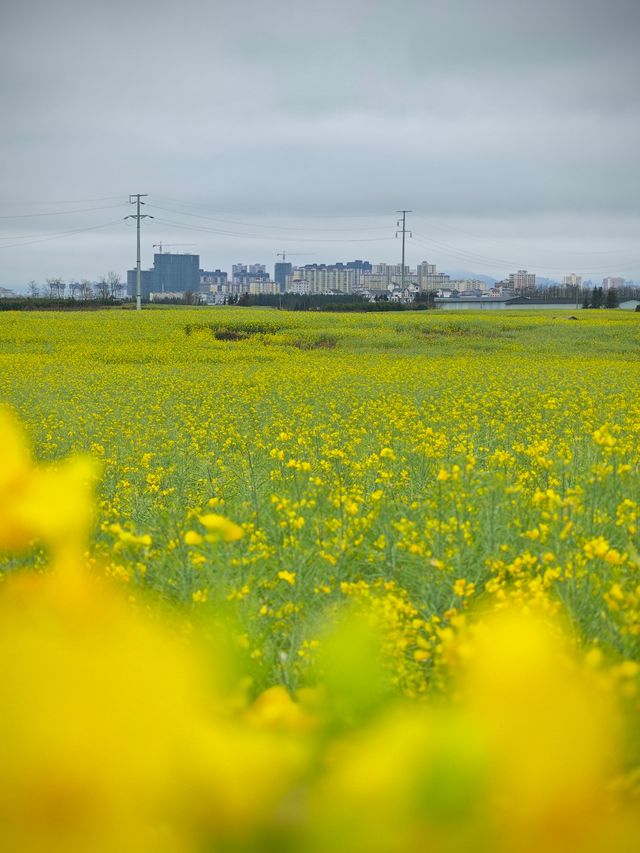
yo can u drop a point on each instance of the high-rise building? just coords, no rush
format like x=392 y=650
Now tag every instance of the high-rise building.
x=238 y=270
x=242 y=281
x=572 y=280
x=280 y=272
x=213 y=282
x=257 y=286
x=428 y=277
x=522 y=280
x=213 y=278
x=323 y=278
x=612 y=282
x=176 y=273
x=425 y=268
x=147 y=285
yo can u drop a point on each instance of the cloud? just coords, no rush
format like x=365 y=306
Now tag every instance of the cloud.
x=472 y=111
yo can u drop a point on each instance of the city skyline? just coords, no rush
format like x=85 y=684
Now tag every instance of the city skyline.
x=461 y=262
x=270 y=271
x=510 y=128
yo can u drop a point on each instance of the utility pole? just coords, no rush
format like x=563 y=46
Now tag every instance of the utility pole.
x=403 y=232
x=135 y=199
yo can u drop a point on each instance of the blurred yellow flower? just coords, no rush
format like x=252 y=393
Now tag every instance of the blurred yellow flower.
x=220 y=528
x=48 y=503
x=193 y=538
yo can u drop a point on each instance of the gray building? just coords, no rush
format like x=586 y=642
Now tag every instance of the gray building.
x=176 y=273
x=146 y=283
x=501 y=303
x=280 y=272
x=215 y=279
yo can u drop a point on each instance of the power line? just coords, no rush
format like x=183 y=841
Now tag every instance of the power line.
x=297 y=215
x=22 y=203
x=58 y=212
x=260 y=225
x=470 y=255
x=59 y=236
x=474 y=257
x=458 y=232
x=274 y=238
x=291 y=233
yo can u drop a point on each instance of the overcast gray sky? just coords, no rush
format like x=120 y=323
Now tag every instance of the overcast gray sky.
x=510 y=127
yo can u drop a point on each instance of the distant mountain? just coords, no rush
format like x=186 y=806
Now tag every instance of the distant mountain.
x=474 y=276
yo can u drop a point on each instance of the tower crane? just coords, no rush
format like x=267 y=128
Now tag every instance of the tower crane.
x=172 y=245
x=283 y=255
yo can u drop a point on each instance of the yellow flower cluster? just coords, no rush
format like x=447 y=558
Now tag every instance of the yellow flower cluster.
x=49 y=504
x=118 y=735
x=352 y=527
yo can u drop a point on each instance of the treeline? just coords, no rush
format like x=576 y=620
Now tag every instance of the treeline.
x=338 y=302
x=48 y=303
x=599 y=298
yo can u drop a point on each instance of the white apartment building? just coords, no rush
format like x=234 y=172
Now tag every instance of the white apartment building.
x=467 y=285
x=371 y=281
x=572 y=280
x=324 y=279
x=300 y=286
x=431 y=281
x=522 y=280
x=428 y=277
x=248 y=269
x=262 y=286
x=424 y=277
x=389 y=270
x=612 y=282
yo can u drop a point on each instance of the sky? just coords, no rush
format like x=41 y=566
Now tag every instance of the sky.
x=510 y=129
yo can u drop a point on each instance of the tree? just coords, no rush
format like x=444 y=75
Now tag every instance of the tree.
x=115 y=285
x=56 y=287
x=86 y=291
x=102 y=288
x=425 y=298
x=33 y=289
x=586 y=303
x=612 y=299
x=597 y=297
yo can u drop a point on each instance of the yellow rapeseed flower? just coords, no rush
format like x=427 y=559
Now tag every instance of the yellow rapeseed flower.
x=193 y=538
x=220 y=528
x=51 y=504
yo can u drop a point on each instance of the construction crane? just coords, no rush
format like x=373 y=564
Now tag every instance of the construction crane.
x=283 y=255
x=281 y=280
x=172 y=245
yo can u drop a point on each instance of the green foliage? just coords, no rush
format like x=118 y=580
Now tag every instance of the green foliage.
x=405 y=448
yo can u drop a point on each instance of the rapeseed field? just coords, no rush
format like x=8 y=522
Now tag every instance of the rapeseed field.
x=278 y=581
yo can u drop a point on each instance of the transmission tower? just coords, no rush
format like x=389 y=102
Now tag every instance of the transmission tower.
x=135 y=199
x=403 y=231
